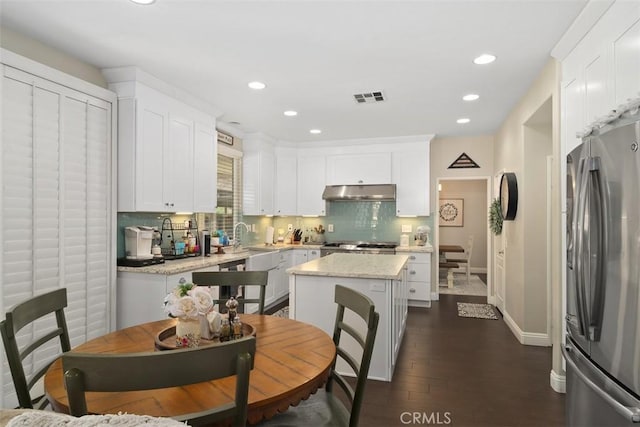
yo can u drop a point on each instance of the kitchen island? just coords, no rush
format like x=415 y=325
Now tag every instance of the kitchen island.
x=382 y=278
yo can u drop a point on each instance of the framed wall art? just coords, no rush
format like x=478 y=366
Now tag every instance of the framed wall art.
x=451 y=212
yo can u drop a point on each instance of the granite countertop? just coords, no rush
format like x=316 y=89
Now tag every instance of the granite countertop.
x=196 y=263
x=362 y=266
x=422 y=249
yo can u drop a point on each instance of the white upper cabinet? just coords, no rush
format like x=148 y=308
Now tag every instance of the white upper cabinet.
x=311 y=183
x=286 y=194
x=258 y=175
x=595 y=79
x=360 y=168
x=626 y=52
x=572 y=112
x=410 y=173
x=178 y=165
x=602 y=71
x=167 y=153
x=142 y=141
x=205 y=168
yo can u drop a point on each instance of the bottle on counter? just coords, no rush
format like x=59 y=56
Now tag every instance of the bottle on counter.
x=237 y=328
x=225 y=330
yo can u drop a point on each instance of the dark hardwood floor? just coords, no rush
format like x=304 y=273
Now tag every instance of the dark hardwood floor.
x=464 y=372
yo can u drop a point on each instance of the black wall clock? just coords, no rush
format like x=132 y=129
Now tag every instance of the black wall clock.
x=509 y=195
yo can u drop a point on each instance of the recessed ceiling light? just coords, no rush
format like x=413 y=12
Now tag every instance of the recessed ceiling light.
x=485 y=58
x=471 y=97
x=257 y=85
x=290 y=113
x=145 y=2
x=463 y=120
x=315 y=131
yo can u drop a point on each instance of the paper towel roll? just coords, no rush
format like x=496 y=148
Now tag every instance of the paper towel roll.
x=268 y=239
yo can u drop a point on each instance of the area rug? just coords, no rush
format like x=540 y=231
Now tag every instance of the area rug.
x=283 y=312
x=478 y=311
x=475 y=287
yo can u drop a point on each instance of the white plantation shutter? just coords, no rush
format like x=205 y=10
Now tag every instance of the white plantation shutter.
x=57 y=212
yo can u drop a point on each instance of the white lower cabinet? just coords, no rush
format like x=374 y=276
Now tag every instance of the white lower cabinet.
x=419 y=277
x=300 y=256
x=141 y=295
x=312 y=301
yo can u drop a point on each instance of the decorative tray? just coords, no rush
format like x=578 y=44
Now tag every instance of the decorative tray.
x=166 y=338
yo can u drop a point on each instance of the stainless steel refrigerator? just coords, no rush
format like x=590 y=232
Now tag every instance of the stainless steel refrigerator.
x=602 y=349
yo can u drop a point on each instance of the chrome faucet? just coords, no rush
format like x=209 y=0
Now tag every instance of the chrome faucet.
x=236 y=242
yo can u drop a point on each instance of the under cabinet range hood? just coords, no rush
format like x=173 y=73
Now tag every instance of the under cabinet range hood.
x=373 y=192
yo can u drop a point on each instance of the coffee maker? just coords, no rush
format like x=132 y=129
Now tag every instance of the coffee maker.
x=137 y=242
x=422 y=236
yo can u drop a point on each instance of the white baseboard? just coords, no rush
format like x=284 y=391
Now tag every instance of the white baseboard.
x=526 y=338
x=558 y=382
x=417 y=303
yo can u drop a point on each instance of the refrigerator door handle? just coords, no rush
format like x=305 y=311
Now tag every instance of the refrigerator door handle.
x=580 y=216
x=630 y=413
x=601 y=234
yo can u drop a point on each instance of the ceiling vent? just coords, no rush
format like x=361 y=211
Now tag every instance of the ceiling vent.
x=362 y=98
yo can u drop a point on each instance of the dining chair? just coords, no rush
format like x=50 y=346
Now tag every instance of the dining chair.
x=18 y=349
x=326 y=408
x=118 y=372
x=235 y=279
x=465 y=259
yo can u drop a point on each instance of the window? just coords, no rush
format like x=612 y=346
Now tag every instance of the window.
x=229 y=193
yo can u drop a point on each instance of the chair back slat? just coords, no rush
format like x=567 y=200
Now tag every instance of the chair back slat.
x=17 y=318
x=139 y=371
x=235 y=278
x=364 y=307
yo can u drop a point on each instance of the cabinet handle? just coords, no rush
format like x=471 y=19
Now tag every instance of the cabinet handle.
x=360 y=181
x=412 y=272
x=313 y=252
x=171 y=204
x=412 y=257
x=412 y=290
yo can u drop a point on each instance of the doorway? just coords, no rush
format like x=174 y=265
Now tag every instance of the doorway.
x=470 y=198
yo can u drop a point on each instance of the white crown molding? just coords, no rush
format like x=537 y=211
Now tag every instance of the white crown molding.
x=587 y=18
x=30 y=66
x=120 y=77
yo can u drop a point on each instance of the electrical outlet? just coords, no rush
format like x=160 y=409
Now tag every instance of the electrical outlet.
x=330 y=228
x=406 y=228
x=253 y=228
x=289 y=227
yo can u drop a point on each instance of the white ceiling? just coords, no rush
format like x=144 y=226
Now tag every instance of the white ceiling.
x=315 y=55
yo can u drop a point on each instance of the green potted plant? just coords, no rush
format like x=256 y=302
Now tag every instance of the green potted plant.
x=495 y=217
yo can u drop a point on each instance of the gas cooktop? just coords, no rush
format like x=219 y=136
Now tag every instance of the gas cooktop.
x=359 y=247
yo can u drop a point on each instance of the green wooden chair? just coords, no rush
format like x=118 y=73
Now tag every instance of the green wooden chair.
x=139 y=371
x=233 y=279
x=19 y=317
x=325 y=408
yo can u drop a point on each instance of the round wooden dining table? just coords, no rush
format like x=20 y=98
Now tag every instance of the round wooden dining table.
x=293 y=359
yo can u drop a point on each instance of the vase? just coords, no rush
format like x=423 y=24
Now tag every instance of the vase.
x=188 y=332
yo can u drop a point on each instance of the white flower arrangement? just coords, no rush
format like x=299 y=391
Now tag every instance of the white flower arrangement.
x=188 y=301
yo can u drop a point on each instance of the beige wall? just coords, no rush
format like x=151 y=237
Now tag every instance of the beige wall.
x=47 y=55
x=474 y=194
x=521 y=146
x=444 y=151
